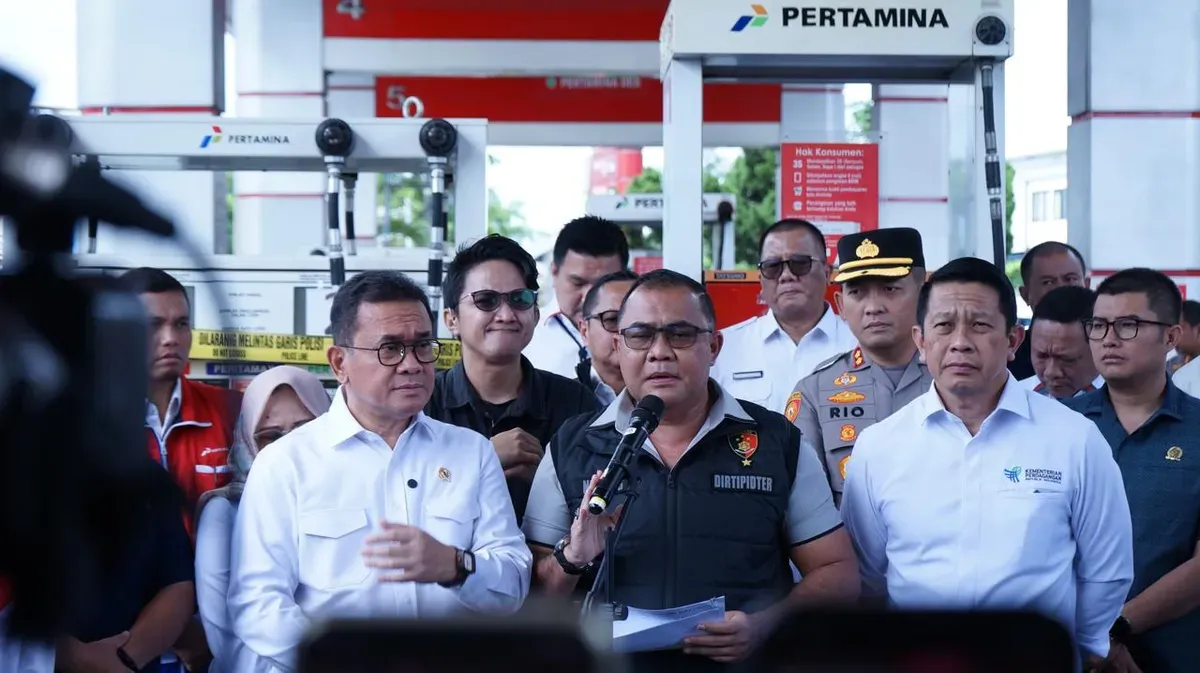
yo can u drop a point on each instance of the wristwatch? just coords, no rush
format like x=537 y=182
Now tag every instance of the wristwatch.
x=1121 y=630
x=464 y=562
x=126 y=660
x=568 y=567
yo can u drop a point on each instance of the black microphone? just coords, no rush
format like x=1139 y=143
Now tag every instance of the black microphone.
x=642 y=422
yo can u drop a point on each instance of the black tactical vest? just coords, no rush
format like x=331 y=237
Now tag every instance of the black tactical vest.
x=713 y=526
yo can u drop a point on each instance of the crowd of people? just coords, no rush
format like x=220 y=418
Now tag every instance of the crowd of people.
x=916 y=447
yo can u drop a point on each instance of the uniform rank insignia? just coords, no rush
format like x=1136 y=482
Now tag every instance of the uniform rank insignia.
x=792 y=409
x=745 y=445
x=842 y=467
x=848 y=433
x=856 y=358
x=847 y=397
x=846 y=379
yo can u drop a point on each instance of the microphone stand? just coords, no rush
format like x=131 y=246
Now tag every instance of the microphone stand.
x=602 y=586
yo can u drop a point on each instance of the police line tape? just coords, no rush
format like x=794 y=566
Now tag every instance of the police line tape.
x=292 y=349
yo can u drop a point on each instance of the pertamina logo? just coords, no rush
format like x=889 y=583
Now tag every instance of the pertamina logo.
x=755 y=20
x=214 y=137
x=230 y=139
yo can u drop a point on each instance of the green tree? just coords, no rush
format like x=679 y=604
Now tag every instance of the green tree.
x=752 y=179
x=862 y=111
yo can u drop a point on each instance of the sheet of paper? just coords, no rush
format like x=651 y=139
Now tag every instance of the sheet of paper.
x=645 y=630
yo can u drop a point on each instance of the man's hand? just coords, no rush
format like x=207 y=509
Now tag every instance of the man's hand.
x=1119 y=660
x=725 y=641
x=413 y=552
x=99 y=656
x=519 y=453
x=588 y=532
x=192 y=647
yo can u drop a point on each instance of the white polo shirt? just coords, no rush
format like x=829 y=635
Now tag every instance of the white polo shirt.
x=318 y=492
x=759 y=362
x=1028 y=514
x=556 y=344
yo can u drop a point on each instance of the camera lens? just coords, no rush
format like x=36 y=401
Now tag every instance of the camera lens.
x=990 y=31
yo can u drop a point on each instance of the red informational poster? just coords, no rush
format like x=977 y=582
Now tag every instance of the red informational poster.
x=734 y=296
x=832 y=185
x=646 y=264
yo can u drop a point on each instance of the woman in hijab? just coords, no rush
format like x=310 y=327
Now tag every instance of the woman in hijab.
x=276 y=402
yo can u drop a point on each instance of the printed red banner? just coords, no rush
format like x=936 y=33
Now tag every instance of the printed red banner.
x=832 y=185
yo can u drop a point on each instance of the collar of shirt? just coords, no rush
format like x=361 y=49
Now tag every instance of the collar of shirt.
x=1035 y=384
x=339 y=425
x=1098 y=402
x=604 y=392
x=154 y=421
x=1012 y=400
x=827 y=326
x=458 y=391
x=726 y=406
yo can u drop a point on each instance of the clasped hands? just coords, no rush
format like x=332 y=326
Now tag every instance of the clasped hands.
x=409 y=554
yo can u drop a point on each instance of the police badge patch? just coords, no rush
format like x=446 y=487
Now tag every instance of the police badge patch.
x=792 y=409
x=744 y=444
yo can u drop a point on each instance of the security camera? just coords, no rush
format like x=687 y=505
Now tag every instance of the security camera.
x=438 y=138
x=335 y=138
x=991 y=31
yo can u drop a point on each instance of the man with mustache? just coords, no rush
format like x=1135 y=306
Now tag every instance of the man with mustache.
x=880 y=277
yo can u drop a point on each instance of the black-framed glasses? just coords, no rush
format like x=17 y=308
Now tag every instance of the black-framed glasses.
x=392 y=353
x=608 y=320
x=678 y=335
x=1125 y=327
x=800 y=266
x=517 y=300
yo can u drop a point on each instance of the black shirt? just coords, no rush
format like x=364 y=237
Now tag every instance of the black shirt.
x=546 y=400
x=1022 y=363
x=158 y=553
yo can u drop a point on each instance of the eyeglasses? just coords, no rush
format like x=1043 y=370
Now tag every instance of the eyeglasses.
x=517 y=300
x=772 y=269
x=608 y=320
x=1126 y=328
x=391 y=353
x=272 y=435
x=679 y=336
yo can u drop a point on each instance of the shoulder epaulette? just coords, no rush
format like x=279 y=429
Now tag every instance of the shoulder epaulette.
x=829 y=362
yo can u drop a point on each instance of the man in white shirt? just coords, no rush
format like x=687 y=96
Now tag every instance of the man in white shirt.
x=1062 y=359
x=374 y=509
x=984 y=495
x=586 y=249
x=764 y=357
x=598 y=324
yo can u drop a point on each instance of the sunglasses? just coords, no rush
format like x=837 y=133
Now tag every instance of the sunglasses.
x=679 y=336
x=517 y=300
x=608 y=320
x=800 y=266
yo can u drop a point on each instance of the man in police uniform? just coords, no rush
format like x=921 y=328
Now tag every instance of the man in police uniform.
x=727 y=493
x=880 y=278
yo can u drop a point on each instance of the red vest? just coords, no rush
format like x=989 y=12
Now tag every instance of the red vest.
x=198 y=442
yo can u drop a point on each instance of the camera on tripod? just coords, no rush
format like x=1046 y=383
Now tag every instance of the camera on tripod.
x=73 y=374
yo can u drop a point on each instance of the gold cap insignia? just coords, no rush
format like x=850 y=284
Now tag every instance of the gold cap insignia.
x=867 y=249
x=1175 y=453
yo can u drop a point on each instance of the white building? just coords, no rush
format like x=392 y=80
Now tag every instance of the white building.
x=1040 y=199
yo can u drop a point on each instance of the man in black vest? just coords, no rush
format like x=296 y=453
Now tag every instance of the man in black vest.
x=727 y=494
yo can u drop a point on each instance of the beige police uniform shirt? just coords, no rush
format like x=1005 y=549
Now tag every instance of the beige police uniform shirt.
x=842 y=397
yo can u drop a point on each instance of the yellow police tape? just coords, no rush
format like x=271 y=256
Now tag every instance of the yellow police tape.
x=293 y=349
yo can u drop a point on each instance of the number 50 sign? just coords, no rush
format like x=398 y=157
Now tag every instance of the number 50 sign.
x=408 y=106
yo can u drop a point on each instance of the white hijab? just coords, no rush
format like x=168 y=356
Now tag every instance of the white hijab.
x=254 y=404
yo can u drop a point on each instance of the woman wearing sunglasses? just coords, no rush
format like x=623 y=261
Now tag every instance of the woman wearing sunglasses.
x=276 y=402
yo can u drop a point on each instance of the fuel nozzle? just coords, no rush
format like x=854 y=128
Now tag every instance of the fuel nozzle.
x=335 y=140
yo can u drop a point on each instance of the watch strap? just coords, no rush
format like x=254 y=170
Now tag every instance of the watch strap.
x=568 y=567
x=460 y=566
x=1121 y=630
x=126 y=660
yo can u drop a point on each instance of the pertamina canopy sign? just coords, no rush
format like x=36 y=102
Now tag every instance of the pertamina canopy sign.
x=863 y=29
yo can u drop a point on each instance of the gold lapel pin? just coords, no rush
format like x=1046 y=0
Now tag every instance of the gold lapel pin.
x=443 y=474
x=1175 y=453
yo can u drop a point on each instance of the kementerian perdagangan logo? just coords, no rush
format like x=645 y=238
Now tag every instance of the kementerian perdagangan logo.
x=753 y=21
x=214 y=137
